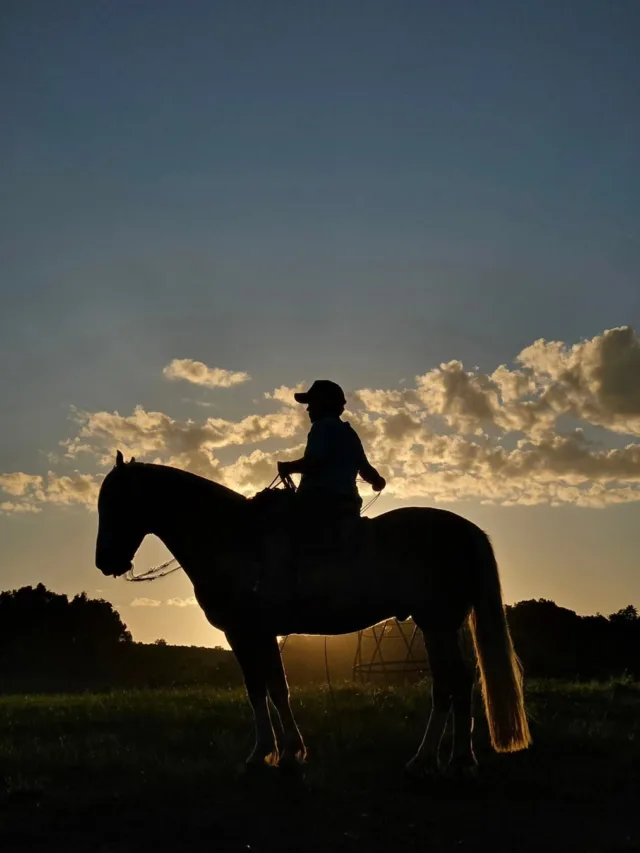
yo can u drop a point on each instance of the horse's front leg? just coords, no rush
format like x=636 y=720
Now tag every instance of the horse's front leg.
x=249 y=650
x=293 y=748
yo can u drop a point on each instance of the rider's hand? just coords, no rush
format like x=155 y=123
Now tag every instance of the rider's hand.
x=379 y=484
x=284 y=469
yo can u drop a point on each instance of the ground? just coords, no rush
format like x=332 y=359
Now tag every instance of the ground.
x=156 y=770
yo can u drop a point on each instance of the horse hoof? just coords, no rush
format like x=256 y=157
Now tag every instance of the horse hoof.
x=293 y=757
x=260 y=762
x=463 y=770
x=292 y=765
x=420 y=768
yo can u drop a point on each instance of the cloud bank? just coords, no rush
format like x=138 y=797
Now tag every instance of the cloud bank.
x=558 y=426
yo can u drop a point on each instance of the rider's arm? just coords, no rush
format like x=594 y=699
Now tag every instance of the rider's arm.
x=370 y=475
x=316 y=453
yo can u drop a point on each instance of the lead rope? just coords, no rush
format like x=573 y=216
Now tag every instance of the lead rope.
x=370 y=503
x=154 y=572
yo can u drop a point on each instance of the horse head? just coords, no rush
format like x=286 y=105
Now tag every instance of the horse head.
x=121 y=523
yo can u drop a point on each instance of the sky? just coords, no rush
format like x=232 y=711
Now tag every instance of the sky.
x=437 y=205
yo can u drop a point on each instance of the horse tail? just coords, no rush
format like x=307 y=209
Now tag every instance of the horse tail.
x=500 y=668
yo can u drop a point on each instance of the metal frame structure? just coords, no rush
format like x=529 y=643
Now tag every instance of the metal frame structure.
x=414 y=660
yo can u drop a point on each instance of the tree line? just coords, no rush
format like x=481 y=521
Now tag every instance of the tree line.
x=51 y=642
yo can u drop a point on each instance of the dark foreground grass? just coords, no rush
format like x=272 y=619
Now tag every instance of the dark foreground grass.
x=156 y=770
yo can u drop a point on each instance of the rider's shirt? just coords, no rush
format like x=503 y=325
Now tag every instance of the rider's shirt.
x=336 y=444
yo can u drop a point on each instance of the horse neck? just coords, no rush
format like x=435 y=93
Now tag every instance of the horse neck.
x=186 y=510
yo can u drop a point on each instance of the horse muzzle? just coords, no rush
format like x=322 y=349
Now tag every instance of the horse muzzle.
x=112 y=569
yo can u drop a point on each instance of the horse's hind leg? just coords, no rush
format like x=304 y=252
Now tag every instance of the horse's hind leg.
x=451 y=684
x=426 y=759
x=463 y=761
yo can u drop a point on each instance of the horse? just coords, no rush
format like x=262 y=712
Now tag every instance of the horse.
x=427 y=563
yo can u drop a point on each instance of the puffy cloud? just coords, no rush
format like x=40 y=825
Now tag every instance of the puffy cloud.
x=145 y=602
x=563 y=469
x=464 y=400
x=35 y=490
x=284 y=394
x=188 y=444
x=199 y=374
x=253 y=472
x=182 y=602
x=596 y=380
x=388 y=402
x=14 y=506
x=74 y=488
x=19 y=483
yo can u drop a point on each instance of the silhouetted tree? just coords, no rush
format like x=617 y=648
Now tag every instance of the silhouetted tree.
x=553 y=641
x=37 y=622
x=626 y=616
x=47 y=639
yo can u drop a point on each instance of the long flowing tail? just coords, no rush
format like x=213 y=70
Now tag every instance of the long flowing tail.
x=500 y=668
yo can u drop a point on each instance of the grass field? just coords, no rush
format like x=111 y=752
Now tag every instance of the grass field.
x=145 y=770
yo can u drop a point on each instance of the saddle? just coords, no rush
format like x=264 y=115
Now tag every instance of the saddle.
x=296 y=549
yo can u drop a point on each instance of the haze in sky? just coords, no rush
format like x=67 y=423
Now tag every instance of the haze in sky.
x=437 y=205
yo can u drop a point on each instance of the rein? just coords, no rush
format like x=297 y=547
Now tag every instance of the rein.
x=155 y=572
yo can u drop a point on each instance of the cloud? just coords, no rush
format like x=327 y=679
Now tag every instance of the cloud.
x=182 y=602
x=199 y=374
x=596 y=380
x=563 y=469
x=13 y=506
x=74 y=488
x=36 y=490
x=145 y=602
x=252 y=472
x=506 y=436
x=20 y=483
x=387 y=402
x=189 y=444
x=284 y=394
x=465 y=400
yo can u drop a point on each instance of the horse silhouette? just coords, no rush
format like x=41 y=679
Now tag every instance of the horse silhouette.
x=427 y=563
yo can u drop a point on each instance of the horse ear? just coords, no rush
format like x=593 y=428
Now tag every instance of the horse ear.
x=119 y=459
x=132 y=460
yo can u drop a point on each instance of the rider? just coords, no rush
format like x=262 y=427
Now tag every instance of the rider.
x=327 y=500
x=333 y=458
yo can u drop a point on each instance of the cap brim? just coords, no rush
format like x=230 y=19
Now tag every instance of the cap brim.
x=301 y=397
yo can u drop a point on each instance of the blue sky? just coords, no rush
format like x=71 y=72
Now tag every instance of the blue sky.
x=359 y=190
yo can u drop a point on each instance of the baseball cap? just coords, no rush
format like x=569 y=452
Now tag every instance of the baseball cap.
x=322 y=391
